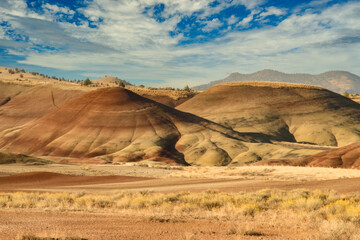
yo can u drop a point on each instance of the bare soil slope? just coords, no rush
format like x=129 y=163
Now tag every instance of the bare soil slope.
x=284 y=112
x=21 y=104
x=110 y=82
x=344 y=157
x=168 y=97
x=115 y=124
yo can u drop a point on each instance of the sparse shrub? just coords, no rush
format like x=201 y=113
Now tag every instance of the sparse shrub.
x=232 y=231
x=187 y=88
x=336 y=229
x=346 y=94
x=316 y=205
x=33 y=237
x=87 y=82
x=253 y=233
x=121 y=84
x=210 y=204
x=21 y=76
x=249 y=210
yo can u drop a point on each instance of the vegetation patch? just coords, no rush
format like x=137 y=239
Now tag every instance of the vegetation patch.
x=7 y=158
x=33 y=237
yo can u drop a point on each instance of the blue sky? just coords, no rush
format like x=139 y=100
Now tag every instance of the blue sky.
x=178 y=43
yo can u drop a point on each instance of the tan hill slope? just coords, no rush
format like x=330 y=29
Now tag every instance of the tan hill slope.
x=343 y=157
x=21 y=77
x=110 y=82
x=13 y=83
x=115 y=124
x=284 y=112
x=168 y=97
x=337 y=81
x=21 y=104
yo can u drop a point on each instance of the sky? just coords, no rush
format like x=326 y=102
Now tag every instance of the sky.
x=172 y=43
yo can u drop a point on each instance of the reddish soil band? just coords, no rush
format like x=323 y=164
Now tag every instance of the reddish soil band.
x=48 y=179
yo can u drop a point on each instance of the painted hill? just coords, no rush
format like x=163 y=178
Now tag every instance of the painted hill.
x=116 y=125
x=284 y=112
x=343 y=157
x=337 y=81
x=21 y=104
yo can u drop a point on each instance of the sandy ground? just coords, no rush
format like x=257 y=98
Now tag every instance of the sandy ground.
x=164 y=178
x=14 y=224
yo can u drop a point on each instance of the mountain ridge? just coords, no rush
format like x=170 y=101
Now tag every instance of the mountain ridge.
x=337 y=80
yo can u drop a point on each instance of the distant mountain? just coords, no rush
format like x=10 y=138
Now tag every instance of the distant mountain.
x=337 y=81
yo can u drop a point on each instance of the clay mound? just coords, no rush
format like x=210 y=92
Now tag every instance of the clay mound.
x=285 y=112
x=49 y=179
x=116 y=124
x=110 y=82
x=344 y=157
x=20 y=104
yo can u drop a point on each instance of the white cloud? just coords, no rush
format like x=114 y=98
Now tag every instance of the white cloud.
x=245 y=21
x=56 y=9
x=2 y=34
x=16 y=8
x=137 y=47
x=211 y=25
x=272 y=11
x=231 y=20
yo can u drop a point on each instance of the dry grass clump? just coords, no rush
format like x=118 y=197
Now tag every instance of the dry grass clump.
x=33 y=237
x=325 y=215
x=324 y=205
x=266 y=172
x=253 y=233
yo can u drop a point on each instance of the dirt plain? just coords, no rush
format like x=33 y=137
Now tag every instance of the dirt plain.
x=166 y=178
x=156 y=177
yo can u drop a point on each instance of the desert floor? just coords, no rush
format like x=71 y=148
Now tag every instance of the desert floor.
x=162 y=178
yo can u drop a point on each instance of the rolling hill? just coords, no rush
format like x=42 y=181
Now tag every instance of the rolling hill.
x=284 y=112
x=234 y=123
x=337 y=81
x=117 y=125
x=110 y=82
x=22 y=104
x=343 y=157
